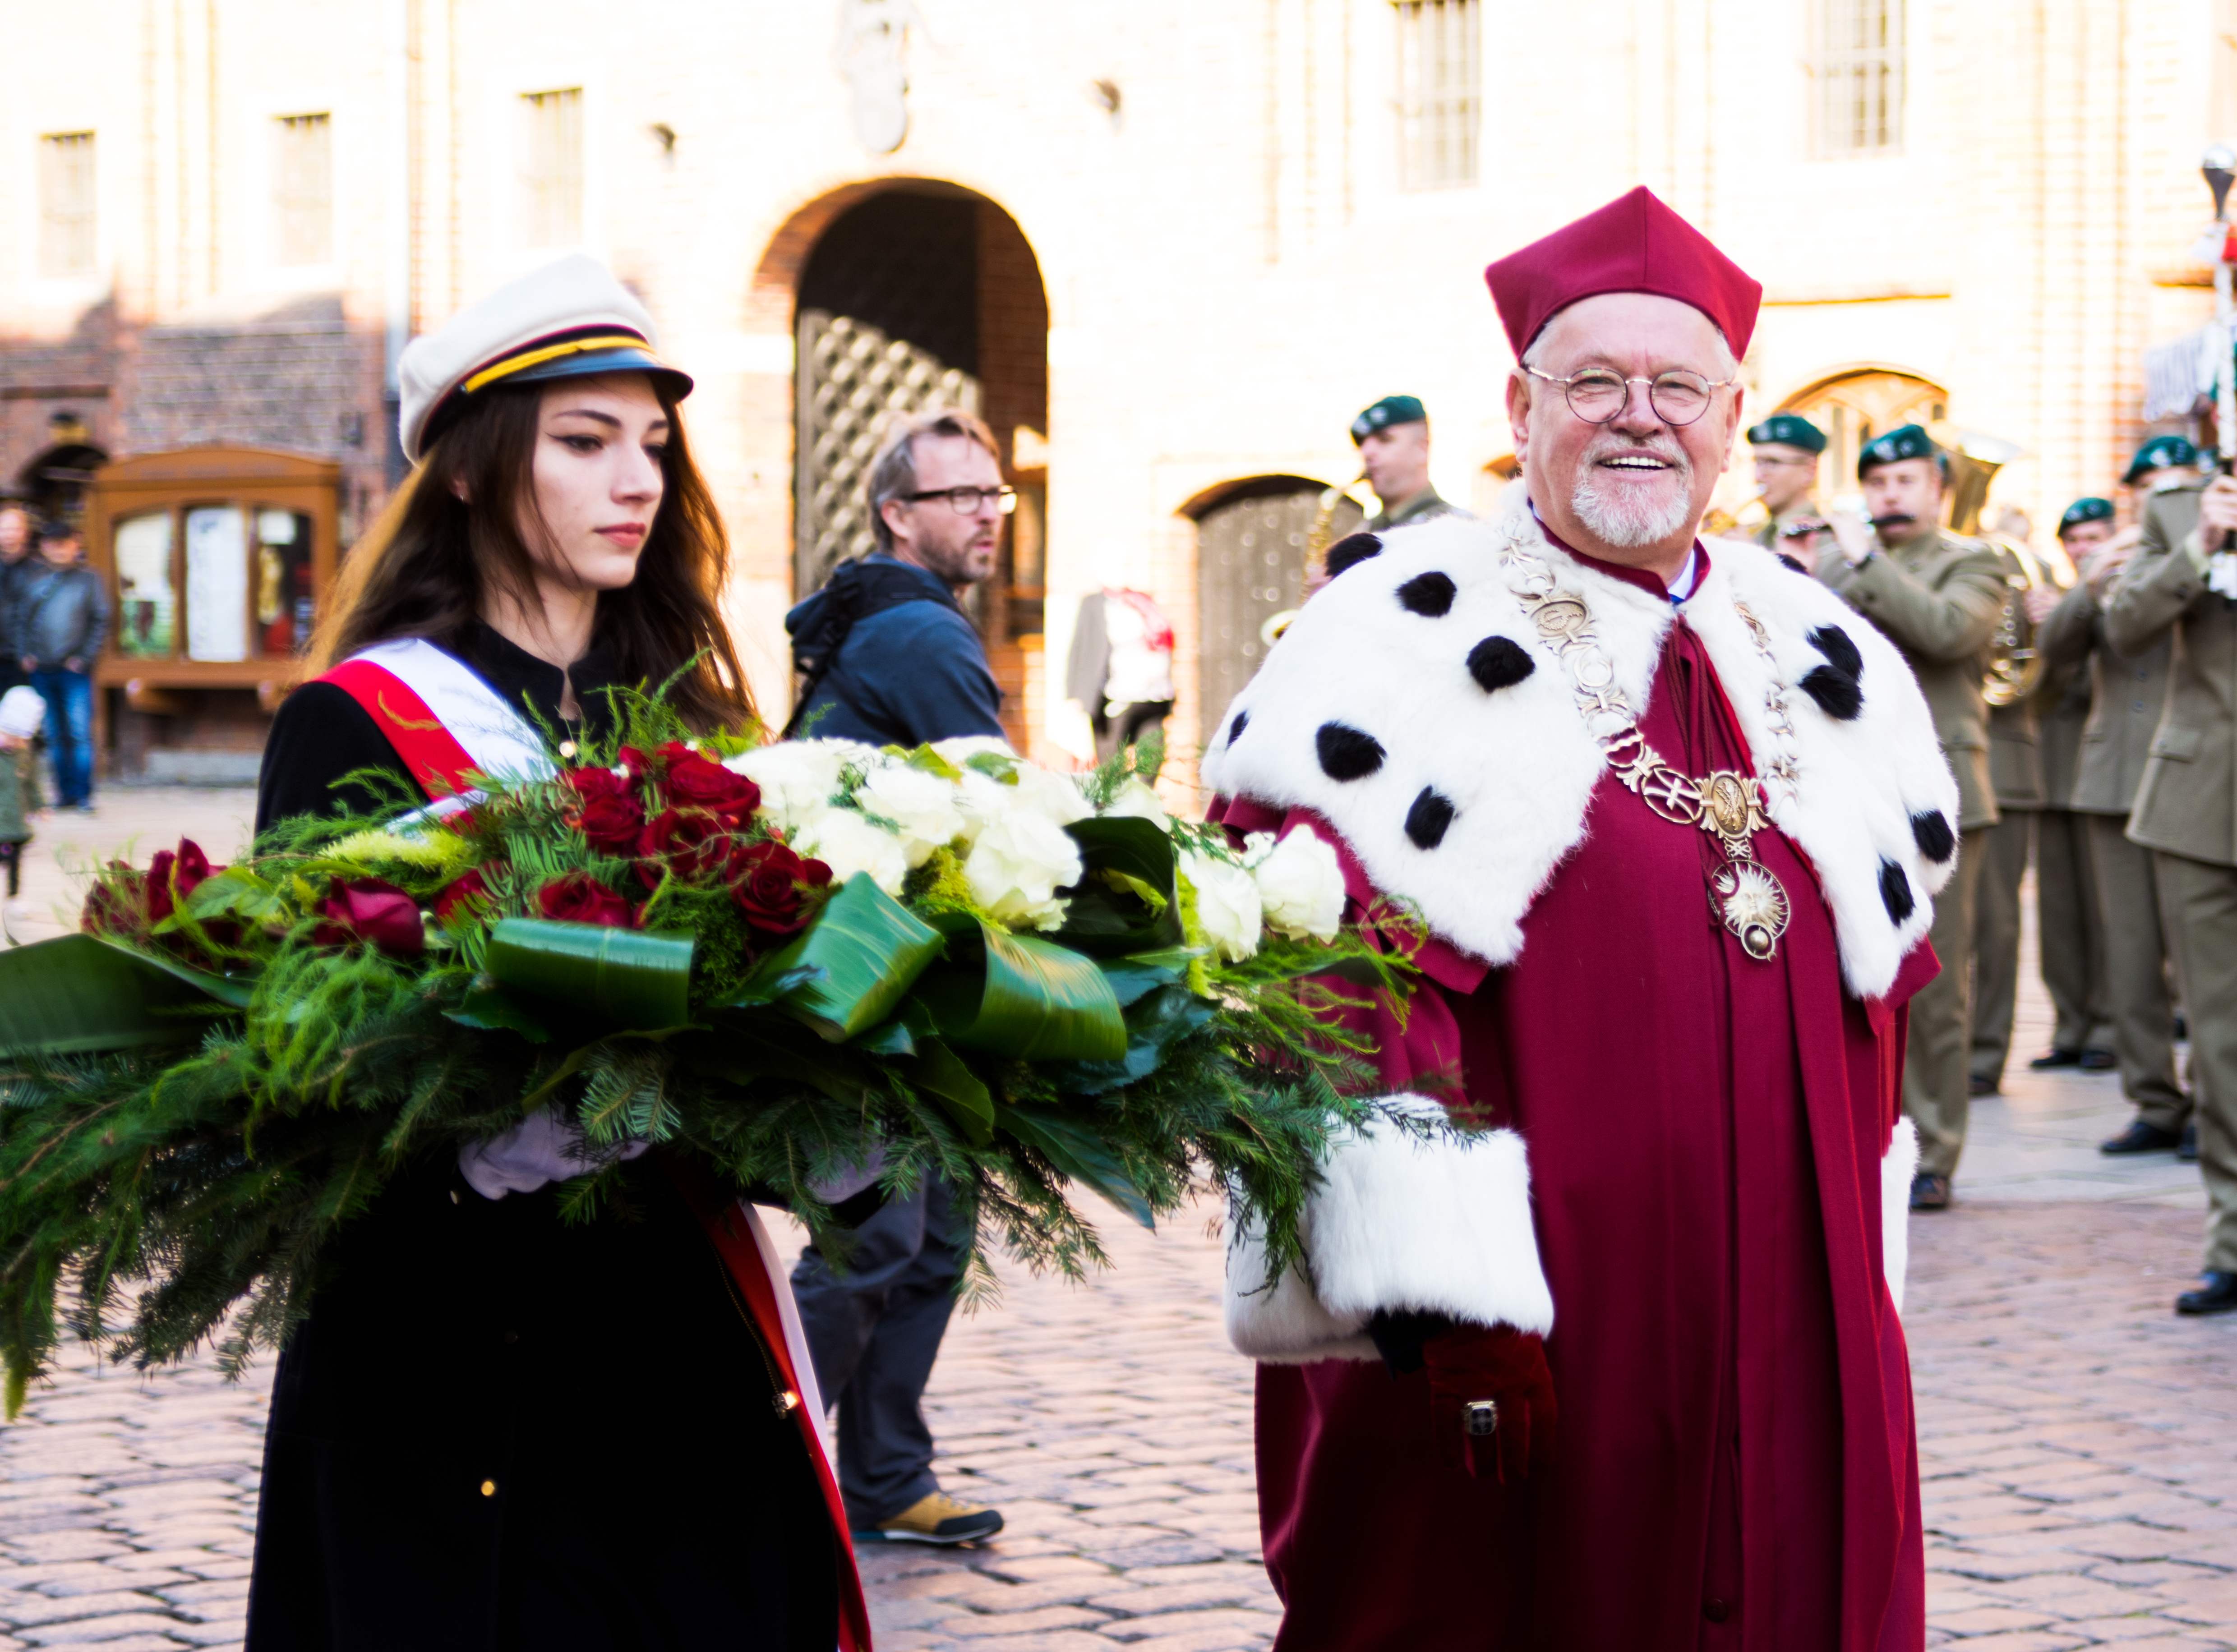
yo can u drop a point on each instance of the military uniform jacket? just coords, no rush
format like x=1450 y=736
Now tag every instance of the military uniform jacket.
x=2126 y=695
x=1426 y=506
x=1937 y=598
x=2185 y=804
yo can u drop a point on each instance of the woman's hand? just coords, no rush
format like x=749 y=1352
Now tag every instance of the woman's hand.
x=532 y=1154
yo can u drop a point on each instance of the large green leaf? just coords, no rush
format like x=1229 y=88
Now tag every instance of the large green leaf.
x=1079 y=1153
x=1155 y=1022
x=945 y=1076
x=625 y=976
x=80 y=994
x=1029 y=999
x=870 y=950
x=1125 y=900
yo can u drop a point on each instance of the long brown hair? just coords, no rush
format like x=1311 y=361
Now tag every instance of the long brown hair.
x=424 y=564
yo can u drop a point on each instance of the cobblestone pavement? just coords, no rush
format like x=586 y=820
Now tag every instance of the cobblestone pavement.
x=2078 y=1438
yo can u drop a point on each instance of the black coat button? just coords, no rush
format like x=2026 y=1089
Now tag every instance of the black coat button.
x=1716 y=1610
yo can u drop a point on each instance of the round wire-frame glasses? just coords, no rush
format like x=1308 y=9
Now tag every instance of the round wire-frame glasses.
x=1598 y=395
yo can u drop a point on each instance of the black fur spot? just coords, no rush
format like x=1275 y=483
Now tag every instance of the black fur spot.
x=1428 y=595
x=1427 y=821
x=1838 y=647
x=1931 y=829
x=1349 y=552
x=1895 y=891
x=1791 y=564
x=1347 y=754
x=1500 y=662
x=1836 y=692
x=1235 y=729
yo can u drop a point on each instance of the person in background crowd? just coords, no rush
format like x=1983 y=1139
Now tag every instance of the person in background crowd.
x=1393 y=440
x=61 y=619
x=2015 y=774
x=2162 y=463
x=1120 y=669
x=885 y=652
x=1787 y=448
x=22 y=712
x=2183 y=582
x=889 y=658
x=2126 y=695
x=1936 y=596
x=15 y=558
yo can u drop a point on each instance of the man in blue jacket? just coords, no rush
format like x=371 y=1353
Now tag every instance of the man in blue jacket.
x=889 y=657
x=60 y=619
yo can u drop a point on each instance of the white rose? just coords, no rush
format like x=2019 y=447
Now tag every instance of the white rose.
x=1226 y=902
x=926 y=807
x=1138 y=800
x=847 y=843
x=1017 y=863
x=798 y=777
x=1300 y=883
x=963 y=748
x=1052 y=798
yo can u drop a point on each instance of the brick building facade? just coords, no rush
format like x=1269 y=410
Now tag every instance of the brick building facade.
x=1203 y=236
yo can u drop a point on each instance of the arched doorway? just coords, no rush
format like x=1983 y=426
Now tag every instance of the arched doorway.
x=53 y=482
x=1251 y=543
x=914 y=295
x=1855 y=405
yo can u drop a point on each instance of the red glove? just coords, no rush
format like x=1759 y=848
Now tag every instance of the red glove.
x=1491 y=1398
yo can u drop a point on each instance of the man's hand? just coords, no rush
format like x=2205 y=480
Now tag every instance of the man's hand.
x=1491 y=1399
x=74 y=665
x=30 y=664
x=2217 y=510
x=2039 y=600
x=2102 y=567
x=1852 y=537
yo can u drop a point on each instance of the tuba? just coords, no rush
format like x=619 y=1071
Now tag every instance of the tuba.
x=2014 y=668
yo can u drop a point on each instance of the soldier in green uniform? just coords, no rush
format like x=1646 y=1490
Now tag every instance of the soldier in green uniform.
x=2181 y=581
x=1786 y=447
x=2015 y=774
x=1393 y=440
x=2126 y=695
x=1936 y=596
x=2163 y=462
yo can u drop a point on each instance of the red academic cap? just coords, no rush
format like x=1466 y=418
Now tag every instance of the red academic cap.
x=1634 y=243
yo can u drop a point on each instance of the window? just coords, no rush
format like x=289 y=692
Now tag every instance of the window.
x=1860 y=76
x=303 y=189
x=1440 y=91
x=66 y=223
x=551 y=167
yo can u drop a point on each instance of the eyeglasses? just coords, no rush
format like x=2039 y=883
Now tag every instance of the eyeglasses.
x=968 y=502
x=1599 y=394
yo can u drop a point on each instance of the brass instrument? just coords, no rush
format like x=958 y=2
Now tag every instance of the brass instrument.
x=1318 y=537
x=1716 y=522
x=2014 y=668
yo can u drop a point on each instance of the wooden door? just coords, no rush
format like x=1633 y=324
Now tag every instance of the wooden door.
x=1250 y=566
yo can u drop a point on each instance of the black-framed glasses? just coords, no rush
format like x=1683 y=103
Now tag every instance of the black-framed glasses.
x=968 y=502
x=1599 y=394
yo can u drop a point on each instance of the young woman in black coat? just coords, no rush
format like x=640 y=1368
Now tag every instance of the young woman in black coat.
x=497 y=1430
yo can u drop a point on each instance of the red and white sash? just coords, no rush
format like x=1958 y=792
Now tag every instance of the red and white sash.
x=448 y=728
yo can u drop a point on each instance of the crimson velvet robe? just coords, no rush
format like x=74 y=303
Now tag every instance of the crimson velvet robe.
x=1738 y=1466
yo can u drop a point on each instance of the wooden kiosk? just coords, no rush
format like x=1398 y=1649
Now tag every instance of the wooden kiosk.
x=218 y=560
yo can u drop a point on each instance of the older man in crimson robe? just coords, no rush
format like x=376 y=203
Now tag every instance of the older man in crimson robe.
x=1603 y=1350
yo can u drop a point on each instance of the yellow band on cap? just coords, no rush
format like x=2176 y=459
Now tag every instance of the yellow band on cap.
x=528 y=359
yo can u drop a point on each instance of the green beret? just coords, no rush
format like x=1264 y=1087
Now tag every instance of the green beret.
x=1789 y=430
x=1391 y=409
x=2090 y=509
x=1904 y=441
x=2158 y=454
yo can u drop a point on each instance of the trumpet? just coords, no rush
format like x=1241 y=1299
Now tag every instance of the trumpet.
x=1718 y=521
x=1319 y=535
x=2014 y=667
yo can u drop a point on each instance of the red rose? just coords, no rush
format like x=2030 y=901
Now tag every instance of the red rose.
x=467 y=886
x=697 y=782
x=634 y=763
x=691 y=843
x=370 y=911
x=606 y=810
x=580 y=898
x=766 y=880
x=175 y=875
x=118 y=903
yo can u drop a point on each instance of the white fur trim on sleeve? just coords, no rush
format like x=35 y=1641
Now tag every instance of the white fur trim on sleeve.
x=1897 y=1169
x=1435 y=1223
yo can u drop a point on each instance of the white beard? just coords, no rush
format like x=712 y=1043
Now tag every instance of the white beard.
x=1624 y=517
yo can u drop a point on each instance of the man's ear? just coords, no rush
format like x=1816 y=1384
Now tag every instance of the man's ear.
x=1518 y=415
x=894 y=517
x=1732 y=430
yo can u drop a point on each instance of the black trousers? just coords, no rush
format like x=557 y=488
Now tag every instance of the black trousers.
x=1115 y=731
x=875 y=1332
